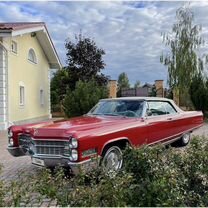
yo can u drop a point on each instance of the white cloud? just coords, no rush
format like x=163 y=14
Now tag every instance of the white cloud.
x=129 y=32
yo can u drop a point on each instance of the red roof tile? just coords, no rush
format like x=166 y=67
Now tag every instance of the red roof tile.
x=19 y=25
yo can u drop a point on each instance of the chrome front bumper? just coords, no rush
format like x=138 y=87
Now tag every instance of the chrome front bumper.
x=16 y=151
x=76 y=167
x=53 y=161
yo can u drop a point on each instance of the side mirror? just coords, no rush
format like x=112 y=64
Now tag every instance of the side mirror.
x=149 y=112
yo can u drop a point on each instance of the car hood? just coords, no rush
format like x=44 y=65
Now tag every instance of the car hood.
x=80 y=126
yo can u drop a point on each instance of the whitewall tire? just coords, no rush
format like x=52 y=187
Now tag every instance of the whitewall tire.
x=112 y=160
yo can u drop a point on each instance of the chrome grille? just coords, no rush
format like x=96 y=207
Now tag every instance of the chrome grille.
x=44 y=147
x=25 y=140
x=51 y=147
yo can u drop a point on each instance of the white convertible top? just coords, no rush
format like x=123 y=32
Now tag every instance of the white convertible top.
x=139 y=98
x=147 y=99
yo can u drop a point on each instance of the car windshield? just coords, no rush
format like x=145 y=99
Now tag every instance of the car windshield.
x=127 y=108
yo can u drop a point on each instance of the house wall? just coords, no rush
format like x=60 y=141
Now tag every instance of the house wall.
x=128 y=92
x=33 y=77
x=142 y=91
x=131 y=92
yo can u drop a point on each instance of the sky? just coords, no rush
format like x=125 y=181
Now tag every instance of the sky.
x=129 y=32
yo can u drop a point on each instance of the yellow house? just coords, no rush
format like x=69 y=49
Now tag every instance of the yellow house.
x=27 y=55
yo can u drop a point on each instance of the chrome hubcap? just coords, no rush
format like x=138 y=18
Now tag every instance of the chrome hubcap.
x=112 y=160
x=186 y=138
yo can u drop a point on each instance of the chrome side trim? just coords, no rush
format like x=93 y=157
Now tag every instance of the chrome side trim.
x=172 y=140
x=176 y=136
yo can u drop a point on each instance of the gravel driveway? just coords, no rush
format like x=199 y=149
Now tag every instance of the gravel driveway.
x=203 y=131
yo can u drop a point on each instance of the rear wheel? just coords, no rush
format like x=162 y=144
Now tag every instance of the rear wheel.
x=183 y=141
x=112 y=160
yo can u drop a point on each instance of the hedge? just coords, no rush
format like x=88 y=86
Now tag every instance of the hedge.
x=151 y=176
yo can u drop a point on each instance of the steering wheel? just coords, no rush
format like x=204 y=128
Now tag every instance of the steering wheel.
x=129 y=113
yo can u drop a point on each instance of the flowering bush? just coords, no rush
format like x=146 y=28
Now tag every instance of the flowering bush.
x=151 y=176
x=2 y=192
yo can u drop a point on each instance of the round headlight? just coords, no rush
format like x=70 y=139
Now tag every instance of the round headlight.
x=10 y=133
x=74 y=155
x=11 y=142
x=73 y=143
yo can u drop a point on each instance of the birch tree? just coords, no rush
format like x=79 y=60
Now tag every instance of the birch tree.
x=181 y=59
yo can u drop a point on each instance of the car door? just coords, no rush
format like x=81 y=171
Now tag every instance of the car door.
x=173 y=118
x=158 y=122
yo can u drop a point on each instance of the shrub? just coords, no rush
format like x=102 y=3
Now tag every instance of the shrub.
x=93 y=189
x=151 y=176
x=83 y=98
x=199 y=92
x=165 y=177
x=157 y=180
x=20 y=191
x=194 y=166
x=2 y=191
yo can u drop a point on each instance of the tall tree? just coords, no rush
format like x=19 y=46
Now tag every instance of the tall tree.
x=83 y=98
x=182 y=60
x=60 y=83
x=85 y=60
x=199 y=93
x=123 y=82
x=137 y=84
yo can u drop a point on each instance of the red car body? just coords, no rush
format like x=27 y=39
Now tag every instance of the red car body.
x=46 y=142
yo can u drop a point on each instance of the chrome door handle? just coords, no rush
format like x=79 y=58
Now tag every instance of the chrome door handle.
x=169 y=119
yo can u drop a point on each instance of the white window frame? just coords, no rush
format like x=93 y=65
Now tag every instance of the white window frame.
x=21 y=95
x=33 y=55
x=14 y=47
x=42 y=99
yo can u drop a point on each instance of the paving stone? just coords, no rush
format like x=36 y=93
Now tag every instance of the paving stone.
x=45 y=204
x=53 y=203
x=47 y=200
x=36 y=205
x=22 y=204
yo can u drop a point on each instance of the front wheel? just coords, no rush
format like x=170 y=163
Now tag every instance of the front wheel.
x=112 y=160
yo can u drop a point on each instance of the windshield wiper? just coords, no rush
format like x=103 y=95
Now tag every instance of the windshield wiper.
x=111 y=114
x=106 y=114
x=95 y=114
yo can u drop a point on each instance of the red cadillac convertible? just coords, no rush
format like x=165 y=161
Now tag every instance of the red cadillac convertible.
x=103 y=133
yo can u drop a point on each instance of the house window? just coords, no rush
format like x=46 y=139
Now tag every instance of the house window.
x=41 y=97
x=22 y=95
x=32 y=56
x=14 y=47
